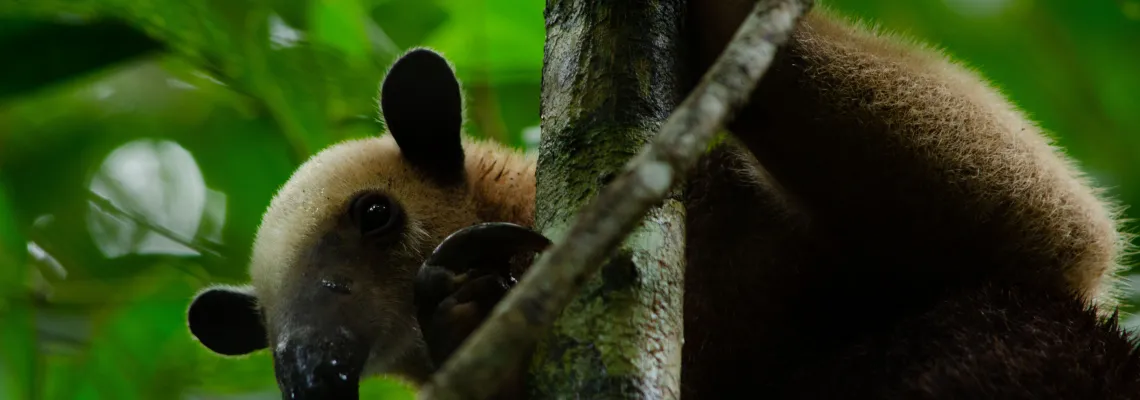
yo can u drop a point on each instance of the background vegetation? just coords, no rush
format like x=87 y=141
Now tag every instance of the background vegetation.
x=140 y=140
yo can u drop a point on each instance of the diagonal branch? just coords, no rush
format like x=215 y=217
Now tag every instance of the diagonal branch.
x=528 y=310
x=107 y=206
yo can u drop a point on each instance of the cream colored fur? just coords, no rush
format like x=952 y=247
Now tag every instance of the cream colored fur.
x=501 y=188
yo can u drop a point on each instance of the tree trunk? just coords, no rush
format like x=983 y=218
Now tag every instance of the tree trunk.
x=611 y=77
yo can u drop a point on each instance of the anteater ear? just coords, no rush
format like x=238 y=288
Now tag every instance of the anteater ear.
x=423 y=109
x=226 y=321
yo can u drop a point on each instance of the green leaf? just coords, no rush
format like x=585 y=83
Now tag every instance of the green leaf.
x=17 y=340
x=142 y=350
x=386 y=388
x=17 y=349
x=340 y=24
x=501 y=38
x=12 y=250
x=52 y=52
x=217 y=375
x=251 y=47
x=408 y=23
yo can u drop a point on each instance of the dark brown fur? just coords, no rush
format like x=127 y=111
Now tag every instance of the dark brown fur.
x=990 y=342
x=890 y=189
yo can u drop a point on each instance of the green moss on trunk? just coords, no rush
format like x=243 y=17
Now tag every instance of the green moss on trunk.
x=611 y=76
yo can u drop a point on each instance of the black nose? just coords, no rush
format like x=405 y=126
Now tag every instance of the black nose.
x=319 y=369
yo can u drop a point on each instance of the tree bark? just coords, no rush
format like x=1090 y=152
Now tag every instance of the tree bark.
x=611 y=76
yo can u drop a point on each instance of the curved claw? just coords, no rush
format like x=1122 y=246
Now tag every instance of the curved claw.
x=465 y=276
x=486 y=246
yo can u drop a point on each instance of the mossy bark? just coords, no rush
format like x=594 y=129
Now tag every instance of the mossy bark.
x=612 y=75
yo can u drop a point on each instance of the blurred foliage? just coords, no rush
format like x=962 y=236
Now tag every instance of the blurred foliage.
x=140 y=141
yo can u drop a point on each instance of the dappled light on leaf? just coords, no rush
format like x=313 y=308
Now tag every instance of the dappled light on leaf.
x=281 y=35
x=157 y=181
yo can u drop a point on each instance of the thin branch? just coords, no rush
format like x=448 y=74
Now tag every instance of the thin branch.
x=478 y=367
x=106 y=205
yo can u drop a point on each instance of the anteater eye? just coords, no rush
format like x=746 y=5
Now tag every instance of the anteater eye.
x=374 y=213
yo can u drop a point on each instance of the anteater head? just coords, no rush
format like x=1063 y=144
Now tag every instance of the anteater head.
x=341 y=243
